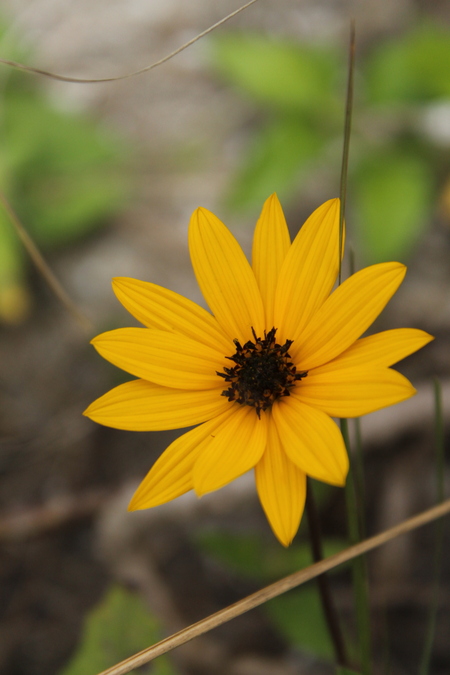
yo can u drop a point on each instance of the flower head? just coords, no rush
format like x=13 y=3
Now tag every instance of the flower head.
x=263 y=374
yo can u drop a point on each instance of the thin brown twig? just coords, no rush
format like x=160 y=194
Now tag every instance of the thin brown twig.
x=274 y=590
x=145 y=69
x=33 y=522
x=43 y=268
x=328 y=605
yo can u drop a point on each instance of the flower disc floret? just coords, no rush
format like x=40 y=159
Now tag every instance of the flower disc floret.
x=263 y=372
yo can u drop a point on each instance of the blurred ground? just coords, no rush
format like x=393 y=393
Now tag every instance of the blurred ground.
x=64 y=530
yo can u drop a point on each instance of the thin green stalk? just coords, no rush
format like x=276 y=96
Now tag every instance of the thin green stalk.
x=424 y=667
x=359 y=566
x=439 y=439
x=359 y=476
x=358 y=456
x=385 y=660
x=354 y=509
x=346 y=147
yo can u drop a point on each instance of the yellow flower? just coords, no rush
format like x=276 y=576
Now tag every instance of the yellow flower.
x=263 y=373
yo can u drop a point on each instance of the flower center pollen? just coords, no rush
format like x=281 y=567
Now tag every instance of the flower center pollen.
x=262 y=374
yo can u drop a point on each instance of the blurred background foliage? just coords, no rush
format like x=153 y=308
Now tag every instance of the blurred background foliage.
x=297 y=615
x=65 y=177
x=120 y=625
x=400 y=137
x=62 y=174
x=115 y=629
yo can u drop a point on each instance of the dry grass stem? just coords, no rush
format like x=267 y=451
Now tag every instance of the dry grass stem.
x=44 y=269
x=145 y=69
x=275 y=589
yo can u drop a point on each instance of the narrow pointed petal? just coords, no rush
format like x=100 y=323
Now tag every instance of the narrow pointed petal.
x=311 y=440
x=225 y=277
x=169 y=359
x=157 y=307
x=271 y=243
x=382 y=349
x=309 y=271
x=171 y=475
x=281 y=488
x=144 y=406
x=347 y=313
x=235 y=447
x=351 y=392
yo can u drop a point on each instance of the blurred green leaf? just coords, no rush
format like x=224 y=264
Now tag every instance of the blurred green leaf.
x=392 y=198
x=413 y=68
x=13 y=49
x=14 y=297
x=280 y=74
x=282 y=562
x=279 y=155
x=254 y=557
x=298 y=615
x=66 y=178
x=61 y=173
x=297 y=88
x=242 y=554
x=346 y=671
x=116 y=629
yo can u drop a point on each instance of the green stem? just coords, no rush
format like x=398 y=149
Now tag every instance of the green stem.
x=328 y=606
x=424 y=667
x=346 y=147
x=359 y=477
x=359 y=566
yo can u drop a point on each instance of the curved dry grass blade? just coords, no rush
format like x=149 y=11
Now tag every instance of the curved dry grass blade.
x=145 y=69
x=43 y=268
x=272 y=591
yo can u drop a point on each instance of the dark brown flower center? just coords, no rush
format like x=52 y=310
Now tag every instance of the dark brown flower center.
x=262 y=374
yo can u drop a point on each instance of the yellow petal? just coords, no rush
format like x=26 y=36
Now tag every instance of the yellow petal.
x=351 y=392
x=281 y=488
x=309 y=271
x=381 y=349
x=235 y=447
x=311 y=440
x=225 y=277
x=346 y=314
x=169 y=359
x=171 y=475
x=271 y=243
x=144 y=406
x=157 y=307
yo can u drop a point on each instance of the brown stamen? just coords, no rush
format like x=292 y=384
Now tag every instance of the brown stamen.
x=262 y=374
